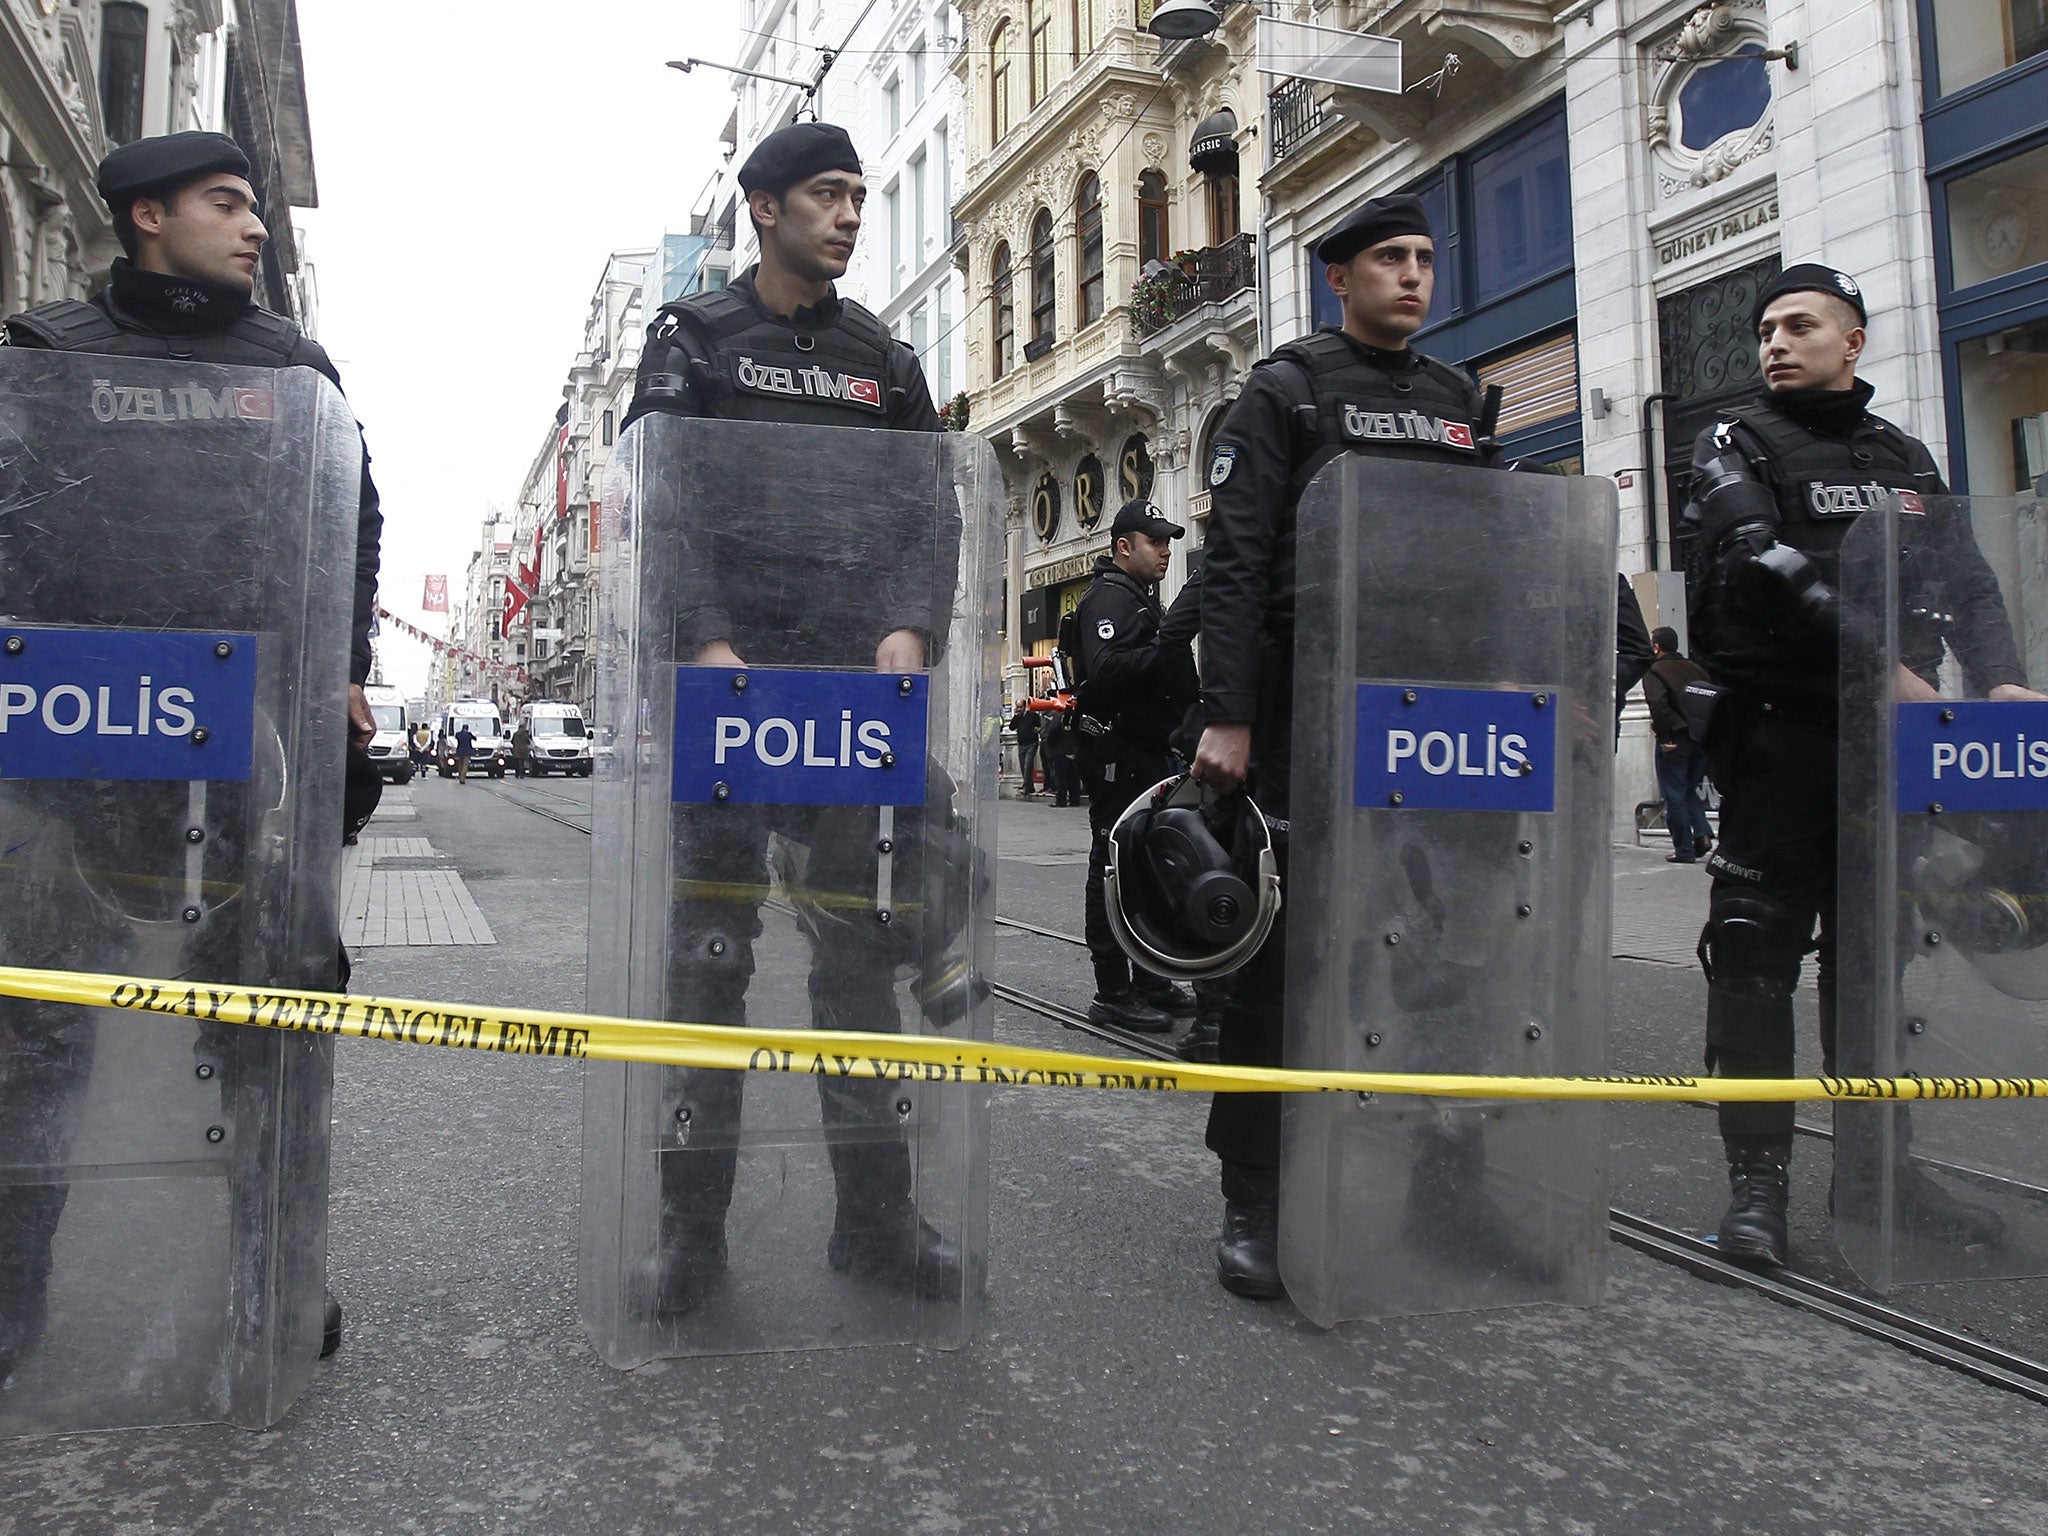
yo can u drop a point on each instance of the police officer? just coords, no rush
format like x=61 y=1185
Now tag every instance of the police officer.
x=1134 y=686
x=780 y=345
x=1778 y=482
x=1361 y=389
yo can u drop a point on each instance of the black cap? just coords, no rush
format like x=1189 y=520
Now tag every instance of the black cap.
x=797 y=153
x=1381 y=219
x=1143 y=517
x=1811 y=277
x=166 y=163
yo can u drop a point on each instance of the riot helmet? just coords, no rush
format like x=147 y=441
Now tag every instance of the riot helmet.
x=1193 y=885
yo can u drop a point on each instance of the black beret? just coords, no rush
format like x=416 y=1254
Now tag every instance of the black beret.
x=165 y=163
x=797 y=153
x=1381 y=219
x=1810 y=277
x=1143 y=517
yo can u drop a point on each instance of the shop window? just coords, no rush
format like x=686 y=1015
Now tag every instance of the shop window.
x=1521 y=211
x=1003 y=307
x=1088 y=237
x=124 y=49
x=999 y=82
x=1044 y=290
x=1152 y=241
x=1976 y=39
x=1998 y=219
x=2005 y=410
x=1038 y=19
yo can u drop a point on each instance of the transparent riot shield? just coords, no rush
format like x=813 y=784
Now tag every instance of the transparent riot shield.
x=1942 y=948
x=1447 y=889
x=176 y=576
x=797 y=838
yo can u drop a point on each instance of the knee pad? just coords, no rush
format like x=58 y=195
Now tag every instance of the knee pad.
x=1752 y=944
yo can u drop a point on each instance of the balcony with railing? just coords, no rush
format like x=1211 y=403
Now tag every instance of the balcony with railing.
x=1294 y=113
x=1211 y=275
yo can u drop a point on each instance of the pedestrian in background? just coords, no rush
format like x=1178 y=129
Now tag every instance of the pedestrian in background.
x=1024 y=723
x=1057 y=746
x=522 y=744
x=1681 y=765
x=465 y=748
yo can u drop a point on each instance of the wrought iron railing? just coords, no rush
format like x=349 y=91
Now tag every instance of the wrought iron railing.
x=1295 y=113
x=1207 y=276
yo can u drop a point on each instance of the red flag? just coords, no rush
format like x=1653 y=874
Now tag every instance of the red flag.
x=436 y=598
x=515 y=599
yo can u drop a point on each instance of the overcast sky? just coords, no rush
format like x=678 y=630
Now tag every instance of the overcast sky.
x=476 y=164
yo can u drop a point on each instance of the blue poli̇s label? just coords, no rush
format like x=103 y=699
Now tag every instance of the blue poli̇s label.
x=1972 y=757
x=1456 y=749
x=770 y=736
x=126 y=704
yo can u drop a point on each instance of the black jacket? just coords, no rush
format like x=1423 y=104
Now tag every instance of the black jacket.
x=1025 y=723
x=1663 y=685
x=1131 y=677
x=143 y=314
x=1633 y=652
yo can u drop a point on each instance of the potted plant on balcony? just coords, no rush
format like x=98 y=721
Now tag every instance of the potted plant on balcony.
x=1152 y=298
x=953 y=414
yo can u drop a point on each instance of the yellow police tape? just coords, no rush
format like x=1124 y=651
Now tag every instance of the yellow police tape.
x=898 y=1058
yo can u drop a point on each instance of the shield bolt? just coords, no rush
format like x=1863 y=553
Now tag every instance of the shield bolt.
x=195 y=834
x=882 y=916
x=1933 y=938
x=16 y=645
x=739 y=682
x=1527 y=767
x=1533 y=1032
x=885 y=846
x=1948 y=717
x=903 y=1108
x=1916 y=1026
x=721 y=792
x=1934 y=809
x=717 y=946
x=216 y=1134
x=223 y=649
x=1524 y=910
x=1393 y=939
x=200 y=734
x=1525 y=848
x=888 y=759
x=191 y=914
x=1541 y=700
x=204 y=1070
x=1395 y=798
x=683 y=1115
x=1407 y=695
x=1374 y=1039
x=905 y=686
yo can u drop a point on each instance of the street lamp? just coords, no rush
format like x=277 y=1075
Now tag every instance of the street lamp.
x=1178 y=20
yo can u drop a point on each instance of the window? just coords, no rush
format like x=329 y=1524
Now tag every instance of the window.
x=1994 y=223
x=942 y=363
x=999 y=82
x=1152 y=241
x=1222 y=192
x=1521 y=211
x=916 y=72
x=608 y=428
x=124 y=48
x=1003 y=308
x=1043 y=288
x=1038 y=18
x=920 y=337
x=1088 y=237
x=1087 y=19
x=1976 y=39
x=892 y=211
x=917 y=218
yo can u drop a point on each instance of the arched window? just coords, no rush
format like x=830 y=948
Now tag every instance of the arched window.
x=1152 y=242
x=1038 y=18
x=1003 y=305
x=1088 y=238
x=999 y=81
x=1043 y=289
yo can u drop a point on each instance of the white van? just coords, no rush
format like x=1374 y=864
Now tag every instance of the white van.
x=486 y=726
x=388 y=748
x=560 y=740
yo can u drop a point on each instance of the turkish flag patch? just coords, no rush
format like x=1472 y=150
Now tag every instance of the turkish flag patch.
x=1457 y=434
x=866 y=391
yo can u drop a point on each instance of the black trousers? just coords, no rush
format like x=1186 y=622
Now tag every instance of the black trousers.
x=1773 y=902
x=830 y=864
x=1112 y=786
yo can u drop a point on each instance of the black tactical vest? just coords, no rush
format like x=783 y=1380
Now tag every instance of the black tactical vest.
x=1428 y=412
x=256 y=339
x=745 y=365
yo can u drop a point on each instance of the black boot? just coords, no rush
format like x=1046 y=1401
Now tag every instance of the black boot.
x=1752 y=1231
x=1127 y=1010
x=1248 y=1252
x=1165 y=995
x=898 y=1250
x=692 y=1264
x=330 y=1324
x=1201 y=1043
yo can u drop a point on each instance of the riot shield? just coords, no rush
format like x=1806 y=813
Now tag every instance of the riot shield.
x=797 y=839
x=1447 y=891
x=177 y=551
x=1942 y=949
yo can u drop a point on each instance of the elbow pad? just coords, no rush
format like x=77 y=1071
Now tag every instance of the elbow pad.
x=1780 y=585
